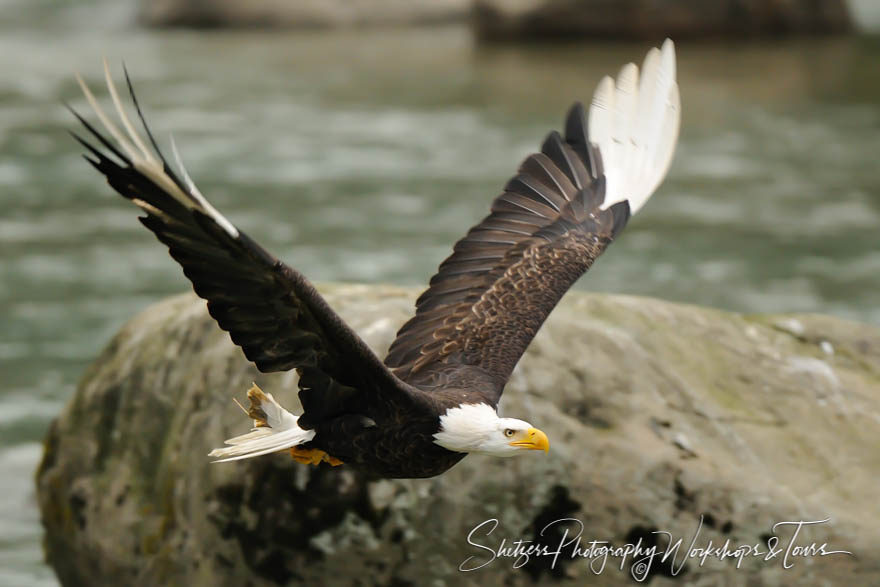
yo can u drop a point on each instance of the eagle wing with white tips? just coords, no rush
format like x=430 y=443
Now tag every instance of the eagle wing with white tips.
x=554 y=218
x=269 y=309
x=634 y=122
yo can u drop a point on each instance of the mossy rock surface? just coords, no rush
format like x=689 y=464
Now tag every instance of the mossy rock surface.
x=659 y=415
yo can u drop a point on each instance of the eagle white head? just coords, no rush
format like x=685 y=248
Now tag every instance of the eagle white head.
x=477 y=428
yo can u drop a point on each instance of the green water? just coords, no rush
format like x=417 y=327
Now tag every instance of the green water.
x=362 y=156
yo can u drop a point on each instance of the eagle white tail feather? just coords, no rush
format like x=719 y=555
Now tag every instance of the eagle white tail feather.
x=261 y=441
x=275 y=429
x=634 y=121
x=144 y=161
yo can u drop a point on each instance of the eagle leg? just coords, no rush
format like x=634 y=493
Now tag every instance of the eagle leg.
x=312 y=456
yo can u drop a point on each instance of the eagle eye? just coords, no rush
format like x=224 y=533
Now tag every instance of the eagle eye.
x=509 y=432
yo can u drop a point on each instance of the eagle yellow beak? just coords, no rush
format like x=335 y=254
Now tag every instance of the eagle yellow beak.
x=534 y=440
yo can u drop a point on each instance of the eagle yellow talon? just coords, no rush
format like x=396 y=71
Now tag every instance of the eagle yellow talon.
x=313 y=456
x=332 y=461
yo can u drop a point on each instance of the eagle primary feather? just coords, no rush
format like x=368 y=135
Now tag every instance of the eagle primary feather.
x=434 y=397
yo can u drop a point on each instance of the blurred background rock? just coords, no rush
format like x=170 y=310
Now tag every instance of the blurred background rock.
x=301 y=13
x=678 y=19
x=514 y=19
x=362 y=153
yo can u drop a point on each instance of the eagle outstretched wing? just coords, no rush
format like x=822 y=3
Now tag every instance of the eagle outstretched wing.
x=269 y=309
x=554 y=218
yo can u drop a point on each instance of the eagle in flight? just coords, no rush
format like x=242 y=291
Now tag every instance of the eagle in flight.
x=433 y=399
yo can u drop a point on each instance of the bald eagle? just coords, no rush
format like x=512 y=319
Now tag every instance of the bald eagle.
x=433 y=399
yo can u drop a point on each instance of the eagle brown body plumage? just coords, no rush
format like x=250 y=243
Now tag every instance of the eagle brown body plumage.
x=479 y=314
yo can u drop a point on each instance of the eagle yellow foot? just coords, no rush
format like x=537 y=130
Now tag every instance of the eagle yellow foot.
x=313 y=456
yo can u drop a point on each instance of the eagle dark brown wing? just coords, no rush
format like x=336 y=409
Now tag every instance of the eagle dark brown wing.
x=270 y=310
x=489 y=298
x=554 y=218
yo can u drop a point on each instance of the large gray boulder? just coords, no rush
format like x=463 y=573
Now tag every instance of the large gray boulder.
x=659 y=415
x=650 y=19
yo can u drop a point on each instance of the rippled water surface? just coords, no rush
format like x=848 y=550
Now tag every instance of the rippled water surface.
x=361 y=156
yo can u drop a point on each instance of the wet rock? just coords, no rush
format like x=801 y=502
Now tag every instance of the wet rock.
x=661 y=417
x=648 y=19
